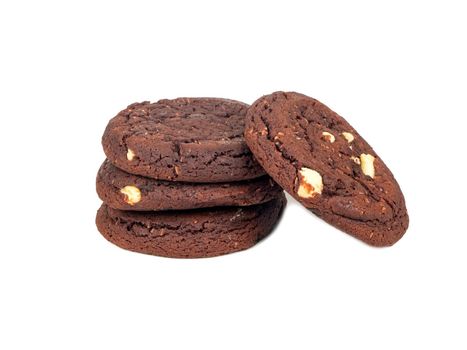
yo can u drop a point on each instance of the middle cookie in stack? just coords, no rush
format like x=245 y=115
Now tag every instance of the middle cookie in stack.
x=170 y=158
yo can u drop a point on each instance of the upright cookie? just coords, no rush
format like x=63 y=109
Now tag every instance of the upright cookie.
x=121 y=190
x=316 y=156
x=191 y=233
x=186 y=139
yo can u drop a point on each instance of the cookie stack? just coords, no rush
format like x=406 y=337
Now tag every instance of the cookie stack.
x=180 y=181
x=187 y=177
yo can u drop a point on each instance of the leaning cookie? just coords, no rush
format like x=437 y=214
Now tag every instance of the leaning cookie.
x=185 y=139
x=316 y=156
x=197 y=233
x=121 y=190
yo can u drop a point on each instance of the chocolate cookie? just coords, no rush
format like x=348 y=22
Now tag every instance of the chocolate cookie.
x=316 y=156
x=196 y=233
x=186 y=139
x=121 y=190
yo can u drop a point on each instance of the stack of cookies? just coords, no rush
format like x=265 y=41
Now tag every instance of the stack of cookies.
x=180 y=181
x=187 y=177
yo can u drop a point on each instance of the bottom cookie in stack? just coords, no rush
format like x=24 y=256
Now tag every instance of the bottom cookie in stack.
x=185 y=220
x=194 y=233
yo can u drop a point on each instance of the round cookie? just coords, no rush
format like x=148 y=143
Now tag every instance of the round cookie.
x=185 y=139
x=319 y=158
x=196 y=233
x=121 y=190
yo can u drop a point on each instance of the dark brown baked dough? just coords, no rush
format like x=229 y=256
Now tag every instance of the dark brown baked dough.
x=316 y=156
x=196 y=233
x=115 y=186
x=185 y=139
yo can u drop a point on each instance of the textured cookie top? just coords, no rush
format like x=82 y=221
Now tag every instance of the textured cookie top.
x=186 y=139
x=321 y=160
x=184 y=120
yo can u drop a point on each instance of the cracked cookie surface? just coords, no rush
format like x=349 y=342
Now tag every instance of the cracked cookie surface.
x=195 y=233
x=185 y=139
x=114 y=188
x=321 y=160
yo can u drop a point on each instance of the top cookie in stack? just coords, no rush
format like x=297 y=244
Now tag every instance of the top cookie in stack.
x=175 y=156
x=186 y=139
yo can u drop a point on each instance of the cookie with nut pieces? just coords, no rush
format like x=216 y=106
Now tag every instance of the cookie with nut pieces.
x=195 y=233
x=321 y=160
x=125 y=191
x=185 y=139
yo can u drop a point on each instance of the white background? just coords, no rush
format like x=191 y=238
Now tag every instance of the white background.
x=396 y=71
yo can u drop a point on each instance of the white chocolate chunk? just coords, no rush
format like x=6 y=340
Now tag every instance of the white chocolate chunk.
x=356 y=160
x=311 y=183
x=367 y=162
x=278 y=136
x=348 y=136
x=328 y=136
x=132 y=194
x=130 y=155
